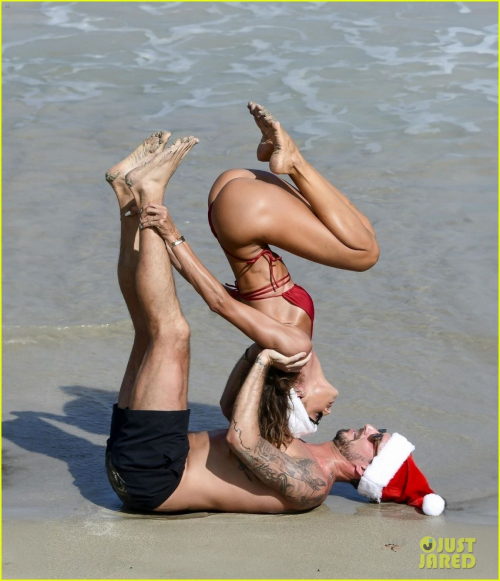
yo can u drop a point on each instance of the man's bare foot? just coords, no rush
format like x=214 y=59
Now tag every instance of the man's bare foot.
x=139 y=157
x=285 y=155
x=148 y=182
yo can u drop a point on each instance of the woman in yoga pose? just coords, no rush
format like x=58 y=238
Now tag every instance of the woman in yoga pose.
x=250 y=210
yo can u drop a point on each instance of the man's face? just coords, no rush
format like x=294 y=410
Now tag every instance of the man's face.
x=359 y=447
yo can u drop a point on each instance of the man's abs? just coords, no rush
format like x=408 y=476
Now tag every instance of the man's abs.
x=215 y=479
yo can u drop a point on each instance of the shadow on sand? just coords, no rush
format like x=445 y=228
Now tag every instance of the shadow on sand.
x=60 y=437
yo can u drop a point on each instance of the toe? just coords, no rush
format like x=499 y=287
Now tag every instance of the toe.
x=153 y=142
x=164 y=137
x=172 y=148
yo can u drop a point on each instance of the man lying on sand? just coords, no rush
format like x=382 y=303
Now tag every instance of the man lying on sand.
x=154 y=463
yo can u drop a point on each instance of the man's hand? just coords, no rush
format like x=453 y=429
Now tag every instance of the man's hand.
x=291 y=364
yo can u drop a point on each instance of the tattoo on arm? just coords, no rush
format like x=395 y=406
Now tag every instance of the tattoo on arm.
x=238 y=431
x=259 y=362
x=300 y=481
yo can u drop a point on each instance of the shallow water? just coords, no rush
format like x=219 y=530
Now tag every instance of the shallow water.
x=394 y=102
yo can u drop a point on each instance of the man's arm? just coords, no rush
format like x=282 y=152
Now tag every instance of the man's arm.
x=299 y=480
x=236 y=379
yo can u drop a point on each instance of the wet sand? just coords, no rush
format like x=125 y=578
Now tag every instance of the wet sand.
x=62 y=520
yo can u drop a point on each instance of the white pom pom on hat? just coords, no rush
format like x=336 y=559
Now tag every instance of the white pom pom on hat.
x=394 y=476
x=433 y=504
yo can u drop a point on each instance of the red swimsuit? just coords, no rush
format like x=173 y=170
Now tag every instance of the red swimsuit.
x=296 y=295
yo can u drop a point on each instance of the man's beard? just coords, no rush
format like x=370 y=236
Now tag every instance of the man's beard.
x=344 y=445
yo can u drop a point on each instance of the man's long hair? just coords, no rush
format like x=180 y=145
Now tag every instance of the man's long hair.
x=275 y=404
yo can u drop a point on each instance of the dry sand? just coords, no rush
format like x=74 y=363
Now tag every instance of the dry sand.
x=317 y=545
x=62 y=520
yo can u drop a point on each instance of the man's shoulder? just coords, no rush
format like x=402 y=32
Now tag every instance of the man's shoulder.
x=302 y=454
x=298 y=449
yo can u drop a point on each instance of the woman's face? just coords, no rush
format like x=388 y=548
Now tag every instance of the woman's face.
x=317 y=394
x=319 y=399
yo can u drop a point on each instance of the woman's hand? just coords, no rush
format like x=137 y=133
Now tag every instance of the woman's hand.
x=291 y=364
x=157 y=216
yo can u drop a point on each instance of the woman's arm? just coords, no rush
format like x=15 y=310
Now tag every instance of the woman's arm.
x=263 y=330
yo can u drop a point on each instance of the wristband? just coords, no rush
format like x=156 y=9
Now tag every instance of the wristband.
x=179 y=240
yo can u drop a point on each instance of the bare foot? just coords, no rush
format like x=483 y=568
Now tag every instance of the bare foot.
x=140 y=157
x=285 y=155
x=148 y=182
x=266 y=146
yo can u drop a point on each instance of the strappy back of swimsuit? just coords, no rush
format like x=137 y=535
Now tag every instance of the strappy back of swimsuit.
x=296 y=295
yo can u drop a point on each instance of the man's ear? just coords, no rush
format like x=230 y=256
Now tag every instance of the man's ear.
x=360 y=470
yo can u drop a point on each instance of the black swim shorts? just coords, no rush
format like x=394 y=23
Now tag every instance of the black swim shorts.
x=146 y=454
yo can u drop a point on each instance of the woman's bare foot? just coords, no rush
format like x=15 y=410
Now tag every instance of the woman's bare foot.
x=266 y=146
x=148 y=182
x=285 y=155
x=139 y=157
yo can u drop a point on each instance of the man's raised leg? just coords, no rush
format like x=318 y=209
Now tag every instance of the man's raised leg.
x=149 y=445
x=129 y=253
x=162 y=380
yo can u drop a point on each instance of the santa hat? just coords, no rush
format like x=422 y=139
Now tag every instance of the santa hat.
x=393 y=475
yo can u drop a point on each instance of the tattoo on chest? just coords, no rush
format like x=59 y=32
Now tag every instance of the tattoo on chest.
x=244 y=469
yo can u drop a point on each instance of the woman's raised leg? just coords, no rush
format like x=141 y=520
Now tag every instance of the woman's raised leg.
x=332 y=207
x=316 y=221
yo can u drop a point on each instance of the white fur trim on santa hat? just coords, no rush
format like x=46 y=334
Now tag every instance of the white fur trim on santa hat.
x=384 y=466
x=433 y=504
